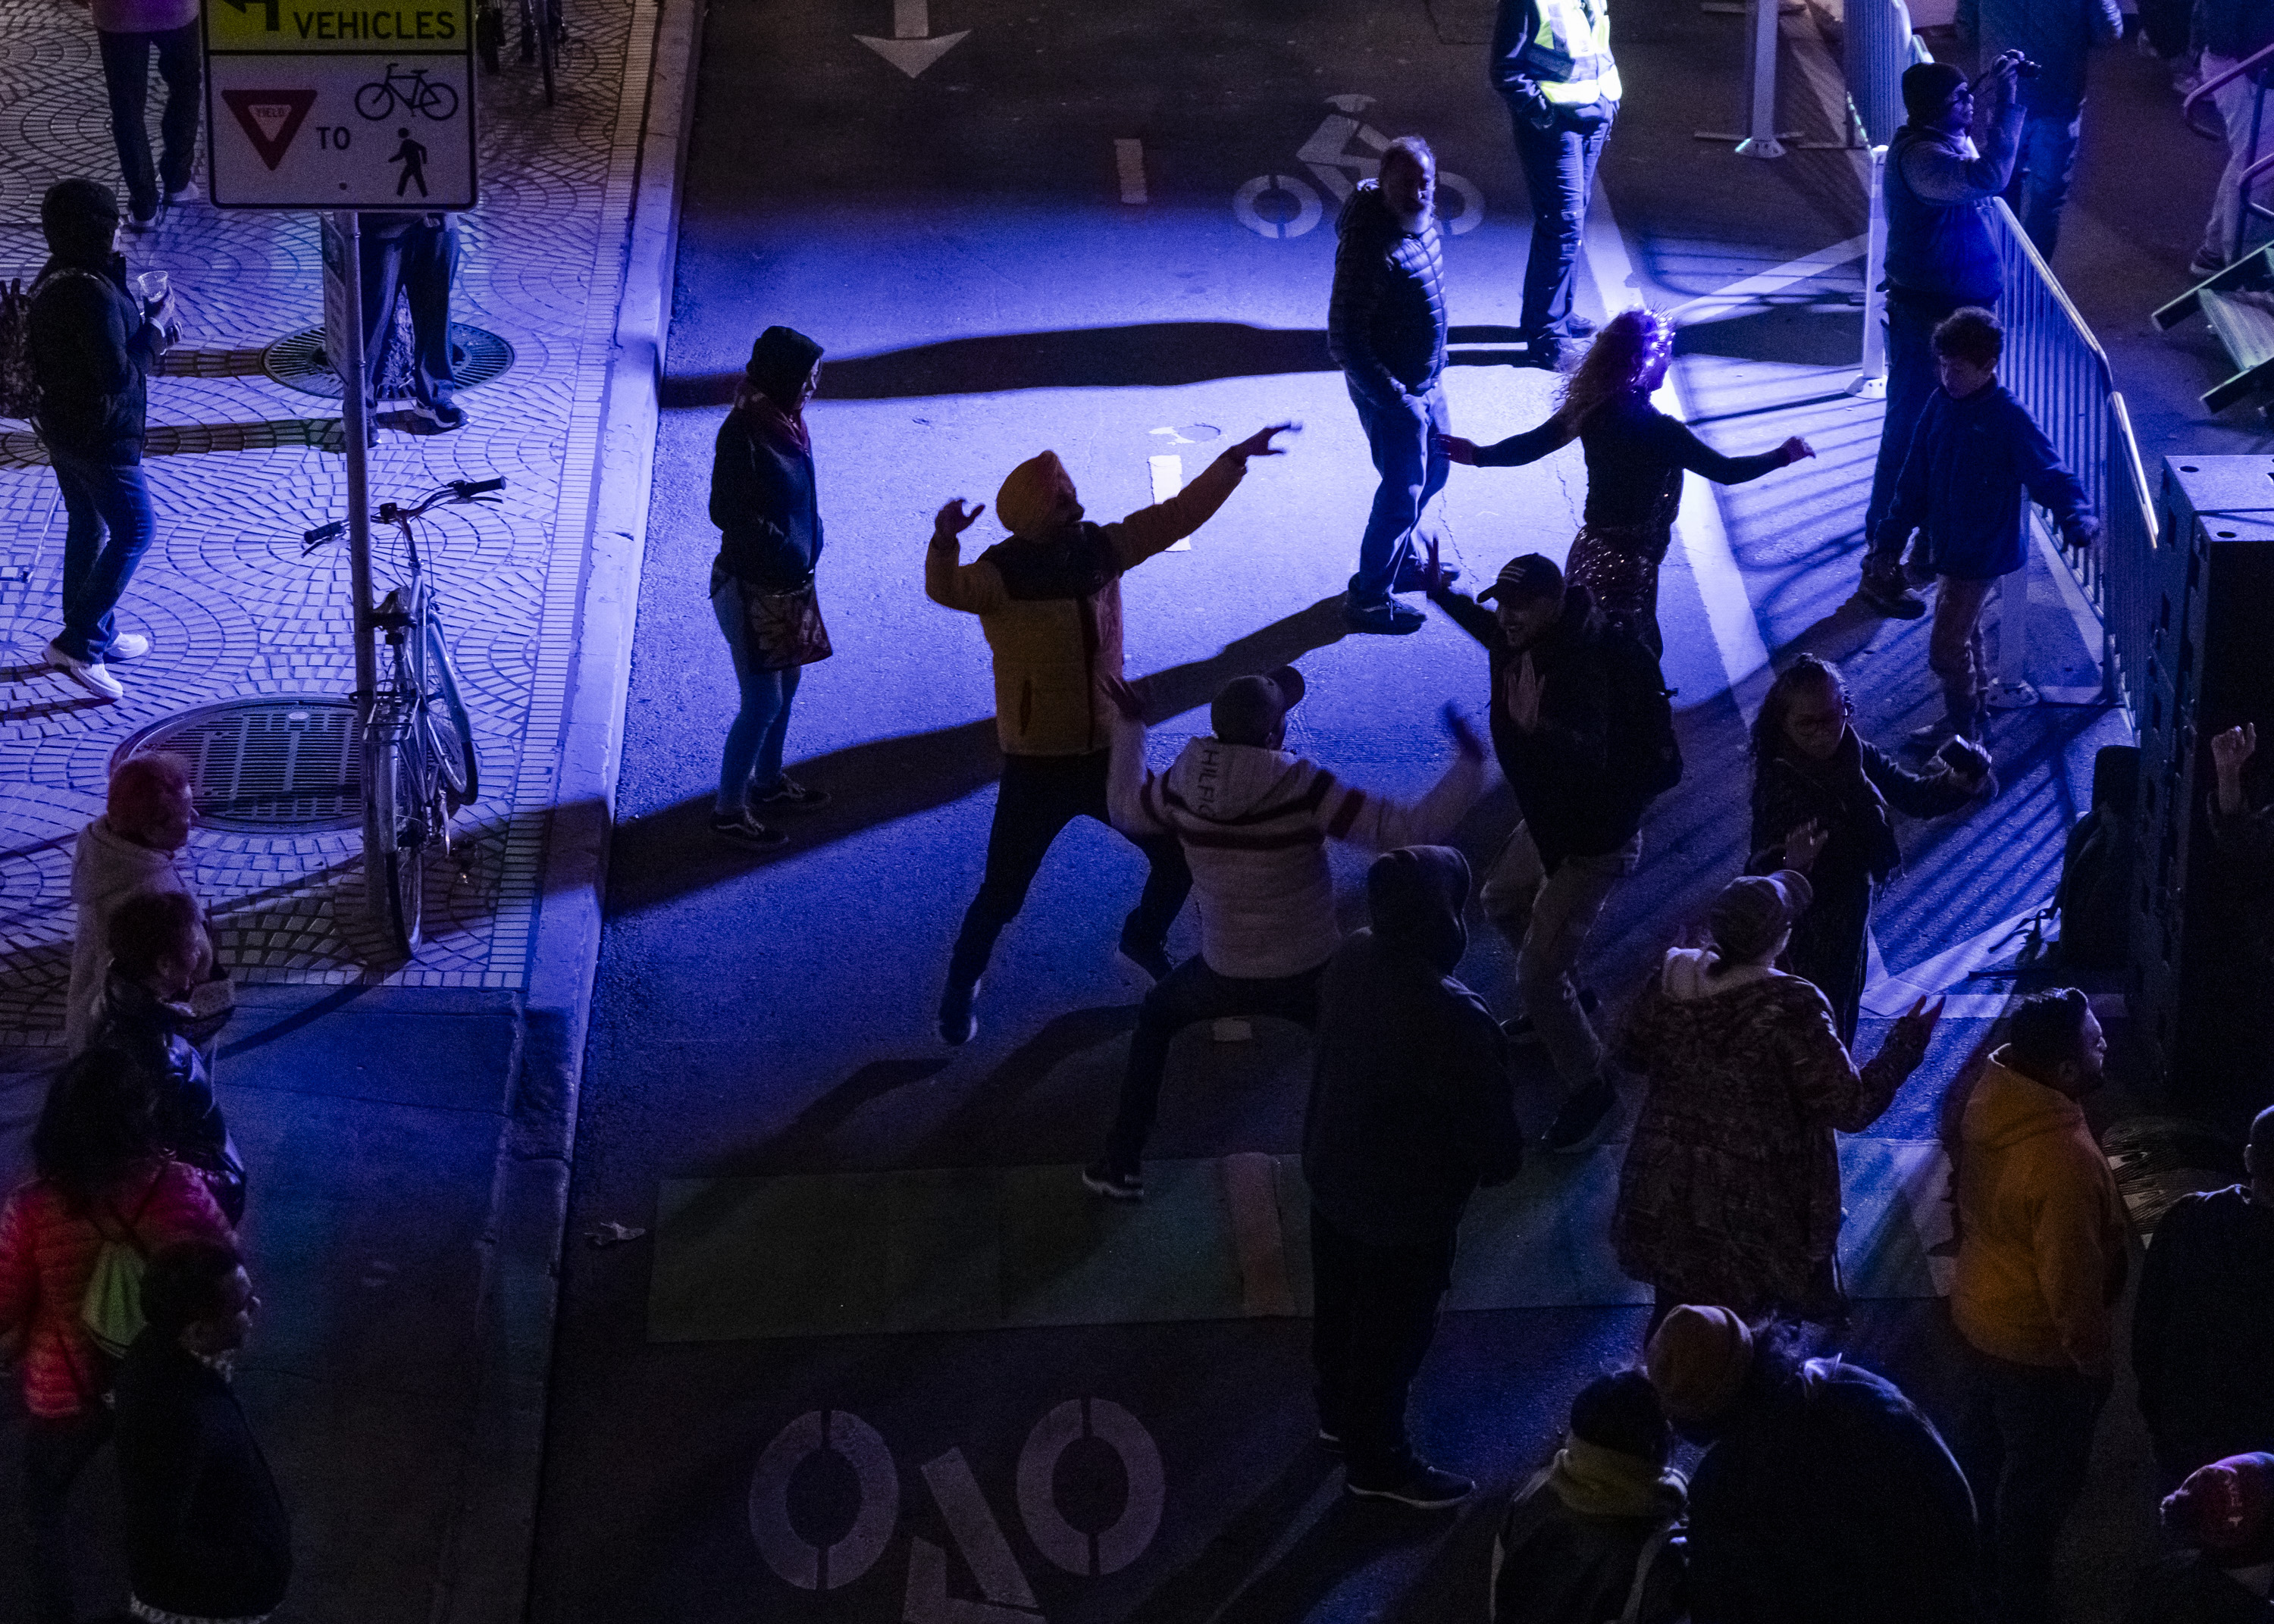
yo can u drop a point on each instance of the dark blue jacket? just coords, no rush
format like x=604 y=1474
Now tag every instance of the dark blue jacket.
x=2203 y=1333
x=92 y=353
x=762 y=500
x=1970 y=463
x=1386 y=321
x=1939 y=246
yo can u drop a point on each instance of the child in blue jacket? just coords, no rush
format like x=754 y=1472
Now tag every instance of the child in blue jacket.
x=1977 y=454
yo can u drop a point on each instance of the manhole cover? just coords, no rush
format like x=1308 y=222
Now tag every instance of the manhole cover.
x=299 y=361
x=261 y=765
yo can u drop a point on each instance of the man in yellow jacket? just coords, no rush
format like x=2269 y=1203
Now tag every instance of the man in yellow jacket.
x=1049 y=601
x=2041 y=1264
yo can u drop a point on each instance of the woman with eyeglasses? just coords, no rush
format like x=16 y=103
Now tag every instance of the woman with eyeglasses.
x=1822 y=799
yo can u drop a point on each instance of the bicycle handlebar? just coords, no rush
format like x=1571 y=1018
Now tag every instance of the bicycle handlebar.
x=456 y=491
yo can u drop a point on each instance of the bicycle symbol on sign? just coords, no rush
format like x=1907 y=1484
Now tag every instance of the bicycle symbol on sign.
x=1294 y=206
x=413 y=91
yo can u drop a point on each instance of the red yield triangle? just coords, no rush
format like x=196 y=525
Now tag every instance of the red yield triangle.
x=271 y=118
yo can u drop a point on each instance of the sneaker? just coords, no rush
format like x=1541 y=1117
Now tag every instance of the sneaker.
x=188 y=193
x=1413 y=577
x=1933 y=736
x=1387 y=618
x=2205 y=265
x=744 y=829
x=1424 y=1488
x=1152 y=959
x=1587 y=1116
x=127 y=646
x=438 y=416
x=959 y=1020
x=142 y=223
x=89 y=674
x=1099 y=1178
x=1521 y=1032
x=789 y=795
x=1892 y=598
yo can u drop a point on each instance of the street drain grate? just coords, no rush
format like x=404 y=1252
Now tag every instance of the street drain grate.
x=265 y=766
x=298 y=361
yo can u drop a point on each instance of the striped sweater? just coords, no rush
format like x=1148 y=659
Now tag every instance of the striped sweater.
x=1255 y=824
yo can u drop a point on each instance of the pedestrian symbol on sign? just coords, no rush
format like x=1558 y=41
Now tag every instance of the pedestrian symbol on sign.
x=413 y=157
x=271 y=118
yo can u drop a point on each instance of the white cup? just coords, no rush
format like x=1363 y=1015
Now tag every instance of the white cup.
x=153 y=286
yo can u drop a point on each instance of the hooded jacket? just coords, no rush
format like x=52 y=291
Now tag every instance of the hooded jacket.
x=1255 y=824
x=1411 y=1105
x=134 y=1019
x=92 y=351
x=2041 y=1230
x=1596 y=1531
x=762 y=498
x=1731 y=1186
x=1579 y=792
x=2203 y=1332
x=1970 y=464
x=1386 y=318
x=1051 y=608
x=107 y=869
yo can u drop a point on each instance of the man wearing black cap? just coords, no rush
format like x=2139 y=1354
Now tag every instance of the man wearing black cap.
x=1254 y=821
x=1584 y=733
x=1941 y=255
x=93 y=346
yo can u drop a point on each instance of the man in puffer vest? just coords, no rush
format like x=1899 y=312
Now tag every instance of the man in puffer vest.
x=1050 y=602
x=1254 y=821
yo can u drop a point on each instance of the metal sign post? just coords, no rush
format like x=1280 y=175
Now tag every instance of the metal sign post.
x=343 y=298
x=1760 y=126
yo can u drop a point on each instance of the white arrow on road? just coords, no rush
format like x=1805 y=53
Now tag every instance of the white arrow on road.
x=911 y=49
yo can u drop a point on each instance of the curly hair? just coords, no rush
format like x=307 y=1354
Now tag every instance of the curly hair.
x=1632 y=346
x=1768 y=727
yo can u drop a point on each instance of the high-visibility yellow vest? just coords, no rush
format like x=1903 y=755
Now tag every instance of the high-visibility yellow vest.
x=1569 y=53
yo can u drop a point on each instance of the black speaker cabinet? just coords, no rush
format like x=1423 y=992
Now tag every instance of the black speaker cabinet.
x=2201 y=981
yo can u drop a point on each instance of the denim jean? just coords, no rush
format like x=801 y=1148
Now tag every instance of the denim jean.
x=110 y=525
x=1375 y=1315
x=1190 y=994
x=1911 y=383
x=2047 y=165
x=753 y=756
x=127 y=73
x=1039 y=796
x=56 y=1450
x=1559 y=174
x=2237 y=101
x=1548 y=917
x=2025 y=1440
x=421 y=261
x=1412 y=469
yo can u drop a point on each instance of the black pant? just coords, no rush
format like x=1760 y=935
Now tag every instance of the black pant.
x=1192 y=993
x=55 y=1452
x=420 y=259
x=1040 y=795
x=1559 y=174
x=127 y=73
x=1375 y=1312
x=2025 y=1439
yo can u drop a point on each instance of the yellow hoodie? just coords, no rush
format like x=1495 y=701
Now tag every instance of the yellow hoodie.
x=2041 y=1230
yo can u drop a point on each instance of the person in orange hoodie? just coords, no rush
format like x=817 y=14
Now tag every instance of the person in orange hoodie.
x=2041 y=1263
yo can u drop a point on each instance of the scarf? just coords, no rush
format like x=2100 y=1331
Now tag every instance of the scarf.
x=1595 y=1482
x=782 y=424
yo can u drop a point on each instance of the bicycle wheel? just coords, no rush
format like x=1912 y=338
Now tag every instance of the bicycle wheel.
x=394 y=833
x=437 y=101
x=453 y=727
x=375 y=100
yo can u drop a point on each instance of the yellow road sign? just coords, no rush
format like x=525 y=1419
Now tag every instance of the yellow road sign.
x=417 y=27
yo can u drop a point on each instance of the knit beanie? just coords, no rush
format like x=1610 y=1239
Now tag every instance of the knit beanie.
x=1698 y=1360
x=1029 y=496
x=2223 y=1509
x=80 y=218
x=1928 y=87
x=780 y=362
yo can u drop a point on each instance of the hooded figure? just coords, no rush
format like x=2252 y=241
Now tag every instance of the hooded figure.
x=2223 y=1514
x=1411 y=1109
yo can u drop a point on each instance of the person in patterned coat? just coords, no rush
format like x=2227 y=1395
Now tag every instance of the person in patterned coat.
x=1730 y=1194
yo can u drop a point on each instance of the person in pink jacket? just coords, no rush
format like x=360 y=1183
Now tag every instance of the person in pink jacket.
x=101 y=1174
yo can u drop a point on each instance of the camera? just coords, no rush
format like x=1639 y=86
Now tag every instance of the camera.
x=2023 y=68
x=1965 y=758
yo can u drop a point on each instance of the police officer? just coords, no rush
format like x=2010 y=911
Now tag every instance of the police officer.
x=1551 y=62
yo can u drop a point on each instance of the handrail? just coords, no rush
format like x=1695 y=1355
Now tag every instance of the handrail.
x=2251 y=175
x=2130 y=449
x=2188 y=107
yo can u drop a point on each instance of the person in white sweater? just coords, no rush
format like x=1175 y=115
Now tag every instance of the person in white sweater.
x=139 y=843
x=1254 y=821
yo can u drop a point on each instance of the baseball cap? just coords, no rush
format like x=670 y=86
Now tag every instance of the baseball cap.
x=1246 y=709
x=1533 y=575
x=1754 y=910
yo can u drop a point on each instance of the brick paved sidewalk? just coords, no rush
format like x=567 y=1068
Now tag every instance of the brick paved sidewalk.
x=240 y=464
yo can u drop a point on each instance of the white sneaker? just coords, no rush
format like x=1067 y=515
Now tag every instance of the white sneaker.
x=188 y=194
x=89 y=674
x=127 y=646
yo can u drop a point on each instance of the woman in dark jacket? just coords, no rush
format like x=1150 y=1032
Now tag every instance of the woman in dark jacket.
x=762 y=500
x=1811 y=768
x=1636 y=458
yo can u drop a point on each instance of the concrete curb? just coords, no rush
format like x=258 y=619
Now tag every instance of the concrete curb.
x=484 y=1574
